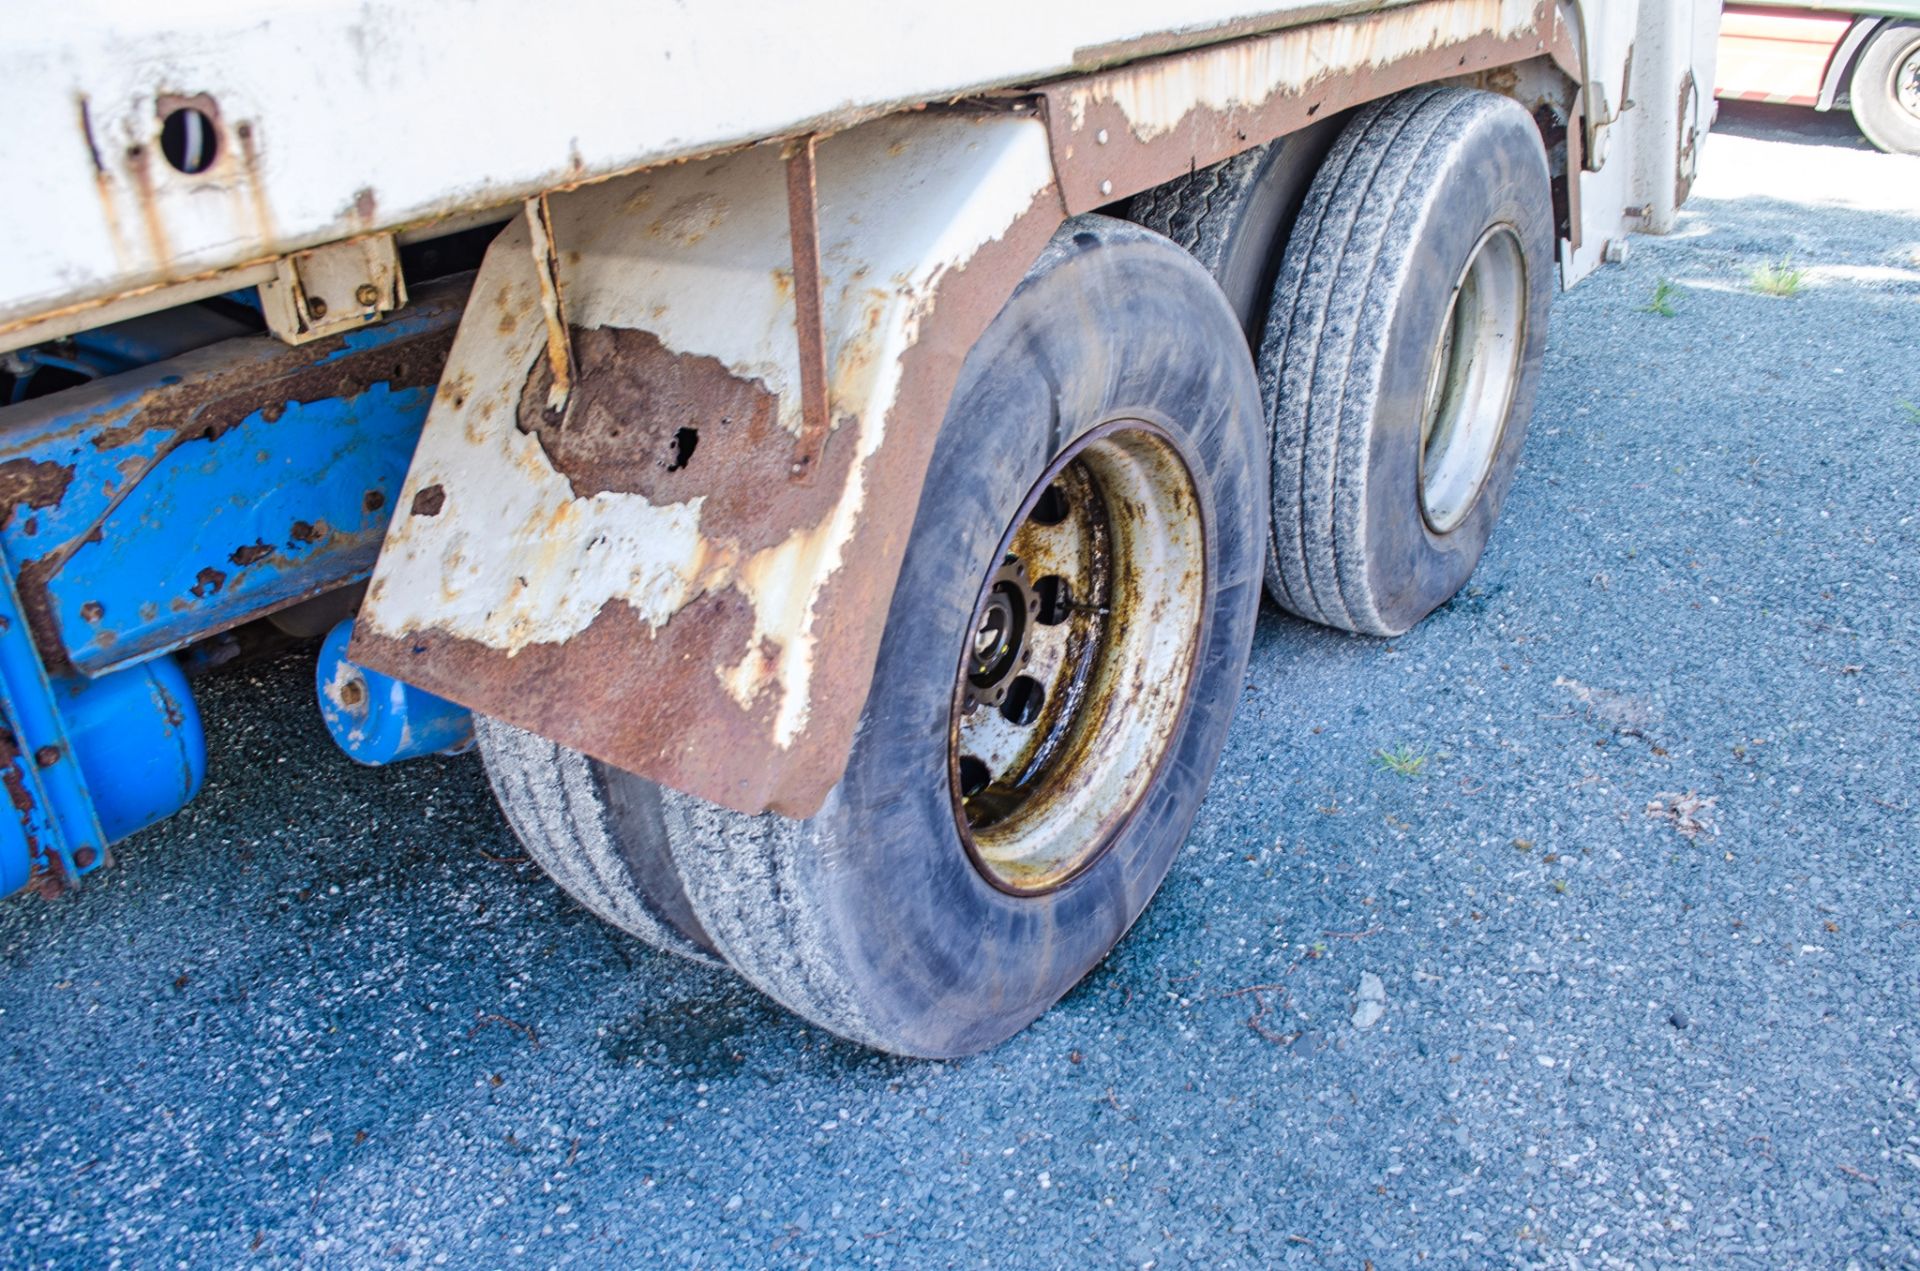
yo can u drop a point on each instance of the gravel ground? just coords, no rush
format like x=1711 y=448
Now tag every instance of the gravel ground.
x=1623 y=969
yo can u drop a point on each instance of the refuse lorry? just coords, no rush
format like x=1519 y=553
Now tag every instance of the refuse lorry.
x=827 y=460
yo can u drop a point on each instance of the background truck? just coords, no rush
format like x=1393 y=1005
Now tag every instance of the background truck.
x=829 y=462
x=1829 y=53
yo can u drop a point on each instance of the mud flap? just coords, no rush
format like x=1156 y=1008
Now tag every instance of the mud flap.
x=612 y=534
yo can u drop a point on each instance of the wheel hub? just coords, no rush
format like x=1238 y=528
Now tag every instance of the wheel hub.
x=1073 y=673
x=1000 y=639
x=1476 y=363
x=1906 y=83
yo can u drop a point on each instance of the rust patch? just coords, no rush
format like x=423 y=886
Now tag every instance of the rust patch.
x=306 y=532
x=205 y=410
x=33 y=483
x=1100 y=159
x=208 y=582
x=429 y=500
x=45 y=877
x=14 y=778
x=140 y=163
x=251 y=554
x=373 y=501
x=640 y=717
x=250 y=164
x=93 y=611
x=671 y=427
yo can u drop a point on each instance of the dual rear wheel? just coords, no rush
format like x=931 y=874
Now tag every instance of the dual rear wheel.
x=1071 y=624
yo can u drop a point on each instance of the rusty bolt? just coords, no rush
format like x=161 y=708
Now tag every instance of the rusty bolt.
x=85 y=857
x=47 y=756
x=316 y=306
x=368 y=295
x=92 y=611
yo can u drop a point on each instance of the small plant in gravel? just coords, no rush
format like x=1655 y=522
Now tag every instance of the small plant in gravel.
x=1777 y=278
x=1665 y=292
x=1403 y=760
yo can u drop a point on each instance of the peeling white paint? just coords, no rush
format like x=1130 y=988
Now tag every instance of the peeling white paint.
x=699 y=256
x=1156 y=97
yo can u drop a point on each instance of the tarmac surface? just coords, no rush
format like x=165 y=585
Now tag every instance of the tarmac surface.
x=1617 y=961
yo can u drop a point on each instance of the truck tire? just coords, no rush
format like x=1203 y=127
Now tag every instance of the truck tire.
x=1884 y=89
x=1402 y=353
x=596 y=832
x=1061 y=659
x=1234 y=215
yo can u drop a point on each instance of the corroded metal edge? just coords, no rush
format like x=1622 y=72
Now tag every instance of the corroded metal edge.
x=1122 y=131
x=631 y=576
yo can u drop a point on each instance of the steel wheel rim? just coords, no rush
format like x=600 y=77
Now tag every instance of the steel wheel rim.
x=1475 y=366
x=1075 y=666
x=1906 y=80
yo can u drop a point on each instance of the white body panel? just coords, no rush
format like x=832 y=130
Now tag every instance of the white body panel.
x=1652 y=143
x=365 y=116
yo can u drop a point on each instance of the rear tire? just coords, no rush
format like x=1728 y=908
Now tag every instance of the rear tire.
x=1234 y=216
x=597 y=833
x=1884 y=89
x=1428 y=229
x=893 y=917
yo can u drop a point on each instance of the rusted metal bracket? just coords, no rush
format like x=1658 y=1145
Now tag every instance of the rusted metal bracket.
x=1576 y=163
x=809 y=305
x=546 y=267
x=332 y=289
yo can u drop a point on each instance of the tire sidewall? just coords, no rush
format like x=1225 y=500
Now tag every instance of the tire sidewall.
x=1871 y=90
x=1498 y=176
x=953 y=964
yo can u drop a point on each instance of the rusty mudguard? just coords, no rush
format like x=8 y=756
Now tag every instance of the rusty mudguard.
x=646 y=573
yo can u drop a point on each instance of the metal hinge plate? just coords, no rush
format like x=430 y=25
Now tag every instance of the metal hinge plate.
x=333 y=289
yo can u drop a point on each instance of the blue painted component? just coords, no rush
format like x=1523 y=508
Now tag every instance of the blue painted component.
x=48 y=818
x=84 y=763
x=380 y=720
x=125 y=346
x=151 y=509
x=138 y=737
